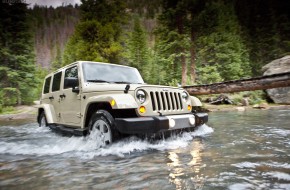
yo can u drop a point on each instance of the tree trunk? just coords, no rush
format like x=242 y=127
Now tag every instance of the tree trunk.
x=258 y=83
x=192 y=57
x=184 y=70
x=182 y=50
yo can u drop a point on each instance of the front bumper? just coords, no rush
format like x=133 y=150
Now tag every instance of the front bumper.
x=156 y=124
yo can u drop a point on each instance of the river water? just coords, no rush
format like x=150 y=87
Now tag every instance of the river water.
x=235 y=150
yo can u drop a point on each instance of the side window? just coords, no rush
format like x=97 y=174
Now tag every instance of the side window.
x=46 y=85
x=70 y=73
x=56 y=82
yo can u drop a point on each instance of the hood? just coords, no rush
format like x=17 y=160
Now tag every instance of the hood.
x=100 y=87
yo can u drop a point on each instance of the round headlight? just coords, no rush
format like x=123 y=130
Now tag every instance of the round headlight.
x=184 y=96
x=141 y=96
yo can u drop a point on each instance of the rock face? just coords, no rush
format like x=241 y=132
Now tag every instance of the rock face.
x=278 y=95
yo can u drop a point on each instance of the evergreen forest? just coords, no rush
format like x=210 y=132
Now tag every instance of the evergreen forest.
x=171 y=42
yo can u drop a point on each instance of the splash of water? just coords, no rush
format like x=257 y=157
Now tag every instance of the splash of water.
x=41 y=142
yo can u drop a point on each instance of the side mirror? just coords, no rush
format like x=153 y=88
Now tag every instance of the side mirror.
x=72 y=82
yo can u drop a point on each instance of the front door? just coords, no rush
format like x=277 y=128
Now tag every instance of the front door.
x=70 y=101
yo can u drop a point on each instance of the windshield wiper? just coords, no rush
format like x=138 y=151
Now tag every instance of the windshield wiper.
x=122 y=82
x=97 y=80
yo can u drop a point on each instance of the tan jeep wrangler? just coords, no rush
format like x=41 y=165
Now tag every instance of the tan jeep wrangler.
x=114 y=101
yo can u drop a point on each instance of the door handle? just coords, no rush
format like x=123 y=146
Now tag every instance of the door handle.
x=51 y=97
x=62 y=96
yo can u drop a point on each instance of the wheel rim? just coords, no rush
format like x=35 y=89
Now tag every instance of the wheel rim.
x=102 y=133
x=43 y=122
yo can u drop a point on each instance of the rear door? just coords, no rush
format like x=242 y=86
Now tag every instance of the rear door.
x=45 y=98
x=54 y=96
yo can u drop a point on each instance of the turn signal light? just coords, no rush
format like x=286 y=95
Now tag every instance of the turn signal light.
x=189 y=108
x=113 y=102
x=142 y=109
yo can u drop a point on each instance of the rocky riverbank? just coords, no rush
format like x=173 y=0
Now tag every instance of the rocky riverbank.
x=229 y=107
x=20 y=113
x=278 y=95
x=29 y=112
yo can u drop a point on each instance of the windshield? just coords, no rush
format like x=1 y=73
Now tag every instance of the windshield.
x=102 y=72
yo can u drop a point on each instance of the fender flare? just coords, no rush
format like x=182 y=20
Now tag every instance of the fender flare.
x=48 y=111
x=195 y=101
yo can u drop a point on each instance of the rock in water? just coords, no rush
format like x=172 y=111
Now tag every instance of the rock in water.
x=221 y=99
x=278 y=95
x=245 y=102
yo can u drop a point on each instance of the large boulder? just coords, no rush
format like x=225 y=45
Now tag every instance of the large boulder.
x=278 y=95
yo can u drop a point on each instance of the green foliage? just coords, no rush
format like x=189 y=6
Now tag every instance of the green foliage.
x=219 y=45
x=144 y=8
x=51 y=29
x=212 y=30
x=231 y=39
x=174 y=82
x=155 y=73
x=208 y=74
x=7 y=110
x=254 y=97
x=224 y=39
x=266 y=29
x=1 y=101
x=137 y=53
x=97 y=35
x=39 y=79
x=10 y=96
x=174 y=39
x=168 y=51
x=57 y=63
x=17 y=70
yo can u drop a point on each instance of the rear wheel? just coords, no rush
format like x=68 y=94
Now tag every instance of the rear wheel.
x=42 y=120
x=101 y=127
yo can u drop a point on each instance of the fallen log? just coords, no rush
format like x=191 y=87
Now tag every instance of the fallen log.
x=257 y=83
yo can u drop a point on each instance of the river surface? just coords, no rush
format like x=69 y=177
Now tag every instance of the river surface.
x=235 y=150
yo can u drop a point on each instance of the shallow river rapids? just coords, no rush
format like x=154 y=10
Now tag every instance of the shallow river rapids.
x=235 y=150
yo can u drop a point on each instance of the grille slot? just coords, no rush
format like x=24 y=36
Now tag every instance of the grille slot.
x=158 y=100
x=165 y=101
x=172 y=101
x=168 y=101
x=179 y=96
x=153 y=101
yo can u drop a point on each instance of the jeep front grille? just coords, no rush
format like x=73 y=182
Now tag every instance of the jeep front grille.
x=166 y=101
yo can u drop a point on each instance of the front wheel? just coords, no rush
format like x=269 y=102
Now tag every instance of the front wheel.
x=42 y=120
x=101 y=128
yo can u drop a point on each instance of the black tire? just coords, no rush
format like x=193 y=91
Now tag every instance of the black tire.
x=42 y=120
x=102 y=125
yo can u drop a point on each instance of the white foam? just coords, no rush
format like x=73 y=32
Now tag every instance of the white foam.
x=278 y=175
x=241 y=186
x=86 y=147
x=281 y=132
x=246 y=165
x=278 y=165
x=27 y=128
x=269 y=164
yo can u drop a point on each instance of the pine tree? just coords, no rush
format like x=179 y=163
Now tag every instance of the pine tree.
x=172 y=31
x=17 y=70
x=137 y=47
x=97 y=36
x=266 y=29
x=57 y=63
x=52 y=28
x=220 y=45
